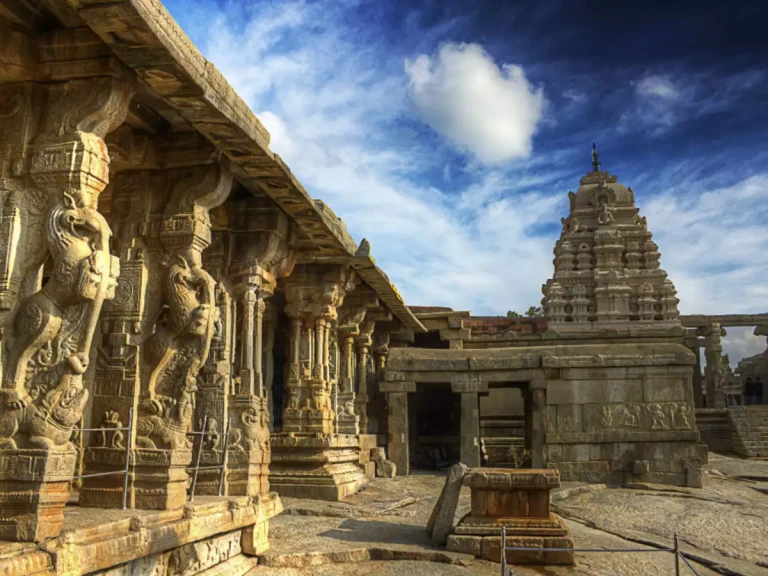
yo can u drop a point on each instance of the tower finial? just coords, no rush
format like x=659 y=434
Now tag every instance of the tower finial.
x=595 y=159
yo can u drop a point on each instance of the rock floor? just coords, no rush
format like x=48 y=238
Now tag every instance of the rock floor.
x=722 y=528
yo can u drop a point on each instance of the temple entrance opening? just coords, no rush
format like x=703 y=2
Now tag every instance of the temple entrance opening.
x=505 y=419
x=435 y=413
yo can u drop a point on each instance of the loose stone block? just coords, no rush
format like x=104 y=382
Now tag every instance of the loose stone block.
x=378 y=454
x=385 y=469
x=441 y=520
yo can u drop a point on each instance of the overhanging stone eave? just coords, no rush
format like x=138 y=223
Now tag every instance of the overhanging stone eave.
x=432 y=315
x=375 y=277
x=163 y=56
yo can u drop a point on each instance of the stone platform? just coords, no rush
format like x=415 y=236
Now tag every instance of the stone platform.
x=211 y=536
x=519 y=501
x=316 y=466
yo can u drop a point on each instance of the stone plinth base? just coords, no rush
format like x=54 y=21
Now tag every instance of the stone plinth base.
x=157 y=479
x=317 y=466
x=34 y=488
x=103 y=491
x=489 y=548
x=247 y=473
x=208 y=537
x=519 y=501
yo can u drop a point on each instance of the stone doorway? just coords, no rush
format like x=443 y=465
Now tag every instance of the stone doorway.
x=505 y=425
x=434 y=414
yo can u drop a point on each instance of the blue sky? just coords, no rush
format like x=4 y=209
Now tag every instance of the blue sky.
x=449 y=133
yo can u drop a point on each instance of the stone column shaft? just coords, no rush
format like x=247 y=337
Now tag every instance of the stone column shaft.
x=397 y=434
x=361 y=401
x=538 y=426
x=258 y=346
x=247 y=342
x=470 y=429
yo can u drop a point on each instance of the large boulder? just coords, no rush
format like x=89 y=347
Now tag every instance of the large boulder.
x=441 y=520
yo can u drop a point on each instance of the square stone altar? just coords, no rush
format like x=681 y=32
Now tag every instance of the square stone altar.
x=518 y=500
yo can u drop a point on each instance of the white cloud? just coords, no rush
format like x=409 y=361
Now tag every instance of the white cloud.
x=575 y=96
x=741 y=342
x=662 y=101
x=489 y=111
x=657 y=86
x=712 y=244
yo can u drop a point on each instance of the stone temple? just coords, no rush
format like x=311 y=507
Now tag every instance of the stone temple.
x=169 y=286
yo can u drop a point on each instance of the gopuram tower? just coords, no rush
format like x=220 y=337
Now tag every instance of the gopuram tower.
x=607 y=273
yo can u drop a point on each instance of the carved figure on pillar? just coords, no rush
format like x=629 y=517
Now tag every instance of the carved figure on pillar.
x=262 y=256
x=309 y=457
x=50 y=214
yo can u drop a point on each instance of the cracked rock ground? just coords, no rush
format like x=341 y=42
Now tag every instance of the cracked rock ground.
x=723 y=528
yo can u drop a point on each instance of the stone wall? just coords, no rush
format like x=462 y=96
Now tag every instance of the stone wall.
x=600 y=413
x=622 y=424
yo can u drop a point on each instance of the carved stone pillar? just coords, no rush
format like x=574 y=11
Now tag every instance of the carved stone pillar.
x=692 y=342
x=249 y=450
x=714 y=373
x=215 y=378
x=378 y=403
x=167 y=311
x=309 y=460
x=363 y=349
x=51 y=182
x=264 y=254
x=348 y=422
x=355 y=332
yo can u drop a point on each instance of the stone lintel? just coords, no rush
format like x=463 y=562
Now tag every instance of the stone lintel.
x=468 y=382
x=387 y=387
x=455 y=334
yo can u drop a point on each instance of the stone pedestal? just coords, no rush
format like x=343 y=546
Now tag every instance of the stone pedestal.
x=317 y=466
x=34 y=488
x=103 y=491
x=518 y=500
x=158 y=479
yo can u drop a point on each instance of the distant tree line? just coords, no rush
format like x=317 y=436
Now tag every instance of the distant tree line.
x=532 y=312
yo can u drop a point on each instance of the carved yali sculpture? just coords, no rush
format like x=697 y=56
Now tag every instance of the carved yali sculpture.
x=43 y=394
x=177 y=350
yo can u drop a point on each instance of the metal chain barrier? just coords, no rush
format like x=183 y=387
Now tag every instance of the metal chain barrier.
x=199 y=452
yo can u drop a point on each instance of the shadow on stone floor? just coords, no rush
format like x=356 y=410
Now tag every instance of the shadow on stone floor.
x=353 y=530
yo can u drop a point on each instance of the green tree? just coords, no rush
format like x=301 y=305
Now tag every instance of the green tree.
x=534 y=312
x=512 y=314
